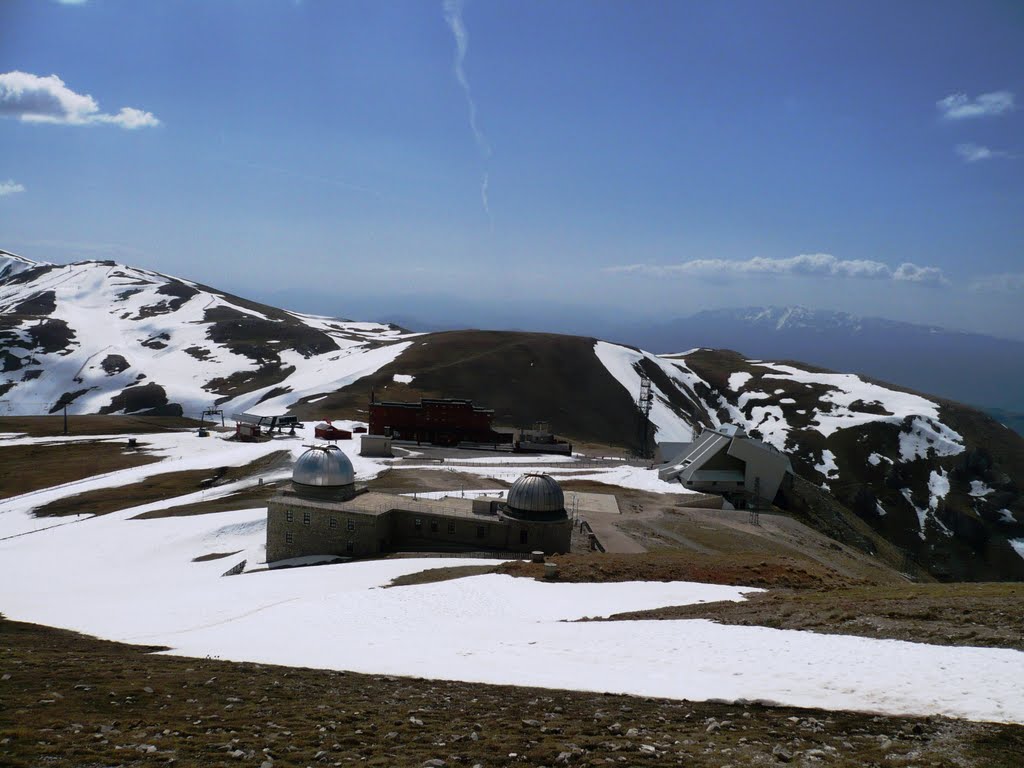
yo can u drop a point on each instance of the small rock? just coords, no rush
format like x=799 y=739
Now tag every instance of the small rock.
x=434 y=762
x=415 y=721
x=632 y=733
x=713 y=727
x=237 y=754
x=267 y=764
x=781 y=754
x=648 y=749
x=147 y=689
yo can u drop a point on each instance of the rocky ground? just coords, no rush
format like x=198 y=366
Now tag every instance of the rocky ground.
x=70 y=700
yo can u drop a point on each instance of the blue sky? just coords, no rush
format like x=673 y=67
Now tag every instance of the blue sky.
x=625 y=157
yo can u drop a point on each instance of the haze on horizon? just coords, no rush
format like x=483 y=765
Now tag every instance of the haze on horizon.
x=619 y=159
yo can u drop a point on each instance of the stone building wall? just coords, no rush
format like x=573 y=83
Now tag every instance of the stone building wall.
x=298 y=527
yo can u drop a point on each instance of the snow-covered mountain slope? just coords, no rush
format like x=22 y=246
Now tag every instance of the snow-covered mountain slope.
x=935 y=477
x=101 y=337
x=939 y=479
x=11 y=264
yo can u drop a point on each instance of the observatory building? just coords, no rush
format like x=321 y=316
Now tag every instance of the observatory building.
x=727 y=461
x=324 y=513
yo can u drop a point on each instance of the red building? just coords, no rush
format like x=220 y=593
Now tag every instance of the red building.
x=439 y=421
x=327 y=431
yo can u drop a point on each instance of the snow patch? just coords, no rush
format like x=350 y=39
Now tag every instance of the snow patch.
x=978 y=488
x=1018 y=546
x=828 y=466
x=402 y=378
x=738 y=379
x=938 y=487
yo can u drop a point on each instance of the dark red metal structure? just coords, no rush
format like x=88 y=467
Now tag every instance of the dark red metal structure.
x=445 y=421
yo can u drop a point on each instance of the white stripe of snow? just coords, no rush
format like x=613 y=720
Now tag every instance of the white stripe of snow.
x=621 y=363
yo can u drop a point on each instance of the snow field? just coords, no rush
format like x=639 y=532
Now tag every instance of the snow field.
x=134 y=581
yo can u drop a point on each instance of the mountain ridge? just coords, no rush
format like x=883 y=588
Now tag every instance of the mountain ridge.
x=962 y=365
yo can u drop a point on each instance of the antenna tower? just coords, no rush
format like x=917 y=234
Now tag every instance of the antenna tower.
x=643 y=403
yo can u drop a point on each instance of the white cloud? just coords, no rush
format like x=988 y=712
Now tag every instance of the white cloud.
x=10 y=187
x=35 y=99
x=912 y=273
x=957 y=106
x=1007 y=282
x=804 y=265
x=972 y=153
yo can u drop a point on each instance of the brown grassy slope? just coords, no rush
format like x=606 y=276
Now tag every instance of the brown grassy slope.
x=989 y=615
x=72 y=701
x=748 y=569
x=53 y=426
x=166 y=485
x=32 y=467
x=524 y=377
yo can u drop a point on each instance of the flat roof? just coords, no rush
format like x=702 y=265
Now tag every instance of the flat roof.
x=375 y=503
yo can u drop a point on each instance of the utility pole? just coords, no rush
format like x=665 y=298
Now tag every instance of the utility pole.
x=755 y=511
x=65 y=418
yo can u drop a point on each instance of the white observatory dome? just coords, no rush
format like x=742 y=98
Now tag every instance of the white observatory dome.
x=536 y=495
x=324 y=466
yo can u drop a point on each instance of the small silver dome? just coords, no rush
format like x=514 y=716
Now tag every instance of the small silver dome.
x=324 y=466
x=534 y=493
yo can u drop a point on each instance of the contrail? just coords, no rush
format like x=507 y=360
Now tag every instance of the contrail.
x=483 y=194
x=453 y=16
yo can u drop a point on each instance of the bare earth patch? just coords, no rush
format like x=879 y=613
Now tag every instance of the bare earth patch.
x=435 y=575
x=214 y=556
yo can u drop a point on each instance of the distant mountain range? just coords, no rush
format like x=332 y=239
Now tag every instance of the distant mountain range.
x=940 y=480
x=973 y=368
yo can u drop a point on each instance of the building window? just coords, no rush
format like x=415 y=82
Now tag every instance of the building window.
x=417 y=523
x=523 y=536
x=433 y=526
x=351 y=525
x=349 y=547
x=451 y=527
x=289 y=516
x=306 y=518
x=480 y=531
x=288 y=538
x=334 y=522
